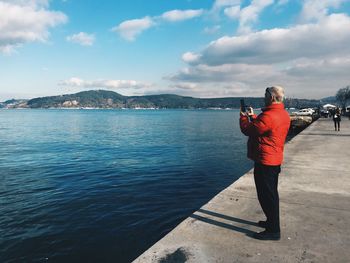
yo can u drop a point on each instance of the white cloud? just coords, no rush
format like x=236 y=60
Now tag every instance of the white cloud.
x=26 y=21
x=317 y=78
x=180 y=15
x=216 y=89
x=31 y=3
x=247 y=15
x=331 y=68
x=7 y=49
x=103 y=83
x=218 y=4
x=233 y=12
x=282 y=2
x=211 y=30
x=223 y=73
x=82 y=38
x=203 y=90
x=130 y=29
x=72 y=82
x=311 y=60
x=330 y=36
x=315 y=10
x=303 y=78
x=185 y=86
x=190 y=57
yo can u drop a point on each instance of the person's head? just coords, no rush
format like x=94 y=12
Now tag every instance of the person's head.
x=274 y=95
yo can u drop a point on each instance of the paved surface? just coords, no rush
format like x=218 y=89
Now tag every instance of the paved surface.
x=314 y=192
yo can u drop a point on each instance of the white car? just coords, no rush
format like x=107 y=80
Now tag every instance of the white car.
x=304 y=112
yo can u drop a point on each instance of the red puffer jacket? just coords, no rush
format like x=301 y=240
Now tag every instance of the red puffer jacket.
x=267 y=134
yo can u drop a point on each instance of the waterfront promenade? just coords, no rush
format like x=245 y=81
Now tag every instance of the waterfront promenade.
x=314 y=188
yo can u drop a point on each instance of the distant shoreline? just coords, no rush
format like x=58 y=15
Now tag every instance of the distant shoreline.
x=104 y=99
x=136 y=109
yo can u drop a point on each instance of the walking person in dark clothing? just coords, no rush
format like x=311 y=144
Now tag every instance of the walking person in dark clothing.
x=267 y=134
x=337 y=119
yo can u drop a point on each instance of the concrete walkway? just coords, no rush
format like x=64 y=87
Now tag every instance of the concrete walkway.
x=314 y=202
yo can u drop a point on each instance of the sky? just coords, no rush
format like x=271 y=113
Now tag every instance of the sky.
x=199 y=48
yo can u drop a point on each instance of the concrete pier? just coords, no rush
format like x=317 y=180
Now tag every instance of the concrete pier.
x=314 y=188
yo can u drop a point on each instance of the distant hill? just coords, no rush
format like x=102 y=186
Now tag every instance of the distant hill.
x=13 y=103
x=109 y=99
x=331 y=100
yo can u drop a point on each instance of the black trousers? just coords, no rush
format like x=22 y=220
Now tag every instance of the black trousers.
x=336 y=123
x=266 y=182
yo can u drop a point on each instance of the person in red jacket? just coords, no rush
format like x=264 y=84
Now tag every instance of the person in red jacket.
x=267 y=134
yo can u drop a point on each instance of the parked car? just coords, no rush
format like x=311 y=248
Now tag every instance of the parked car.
x=325 y=113
x=304 y=112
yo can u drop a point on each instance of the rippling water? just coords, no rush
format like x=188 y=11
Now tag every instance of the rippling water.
x=104 y=185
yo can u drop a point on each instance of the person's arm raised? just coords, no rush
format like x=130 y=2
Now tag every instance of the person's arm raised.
x=256 y=127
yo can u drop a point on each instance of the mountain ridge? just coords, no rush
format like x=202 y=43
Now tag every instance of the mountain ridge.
x=106 y=99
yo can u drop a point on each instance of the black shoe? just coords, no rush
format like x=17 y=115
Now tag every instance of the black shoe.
x=267 y=235
x=262 y=223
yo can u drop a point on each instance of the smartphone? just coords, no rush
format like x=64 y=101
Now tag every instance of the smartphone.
x=243 y=106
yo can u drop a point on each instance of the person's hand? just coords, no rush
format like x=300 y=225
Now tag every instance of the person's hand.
x=250 y=111
x=241 y=113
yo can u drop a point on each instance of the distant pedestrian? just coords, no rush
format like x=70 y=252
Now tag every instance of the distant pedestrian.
x=337 y=119
x=267 y=134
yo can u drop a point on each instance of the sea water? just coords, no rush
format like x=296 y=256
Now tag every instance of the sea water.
x=104 y=185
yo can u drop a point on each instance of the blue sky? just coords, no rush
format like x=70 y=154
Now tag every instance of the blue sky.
x=200 y=48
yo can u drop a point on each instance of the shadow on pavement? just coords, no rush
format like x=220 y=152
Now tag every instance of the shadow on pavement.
x=225 y=225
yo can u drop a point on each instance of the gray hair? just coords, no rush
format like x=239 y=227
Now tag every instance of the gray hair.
x=277 y=92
